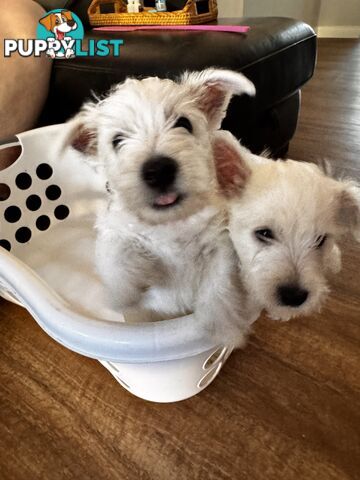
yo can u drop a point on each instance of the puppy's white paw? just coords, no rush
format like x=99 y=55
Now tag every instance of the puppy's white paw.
x=51 y=53
x=69 y=53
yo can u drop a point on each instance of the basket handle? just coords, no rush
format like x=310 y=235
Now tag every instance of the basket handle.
x=15 y=152
x=94 y=6
x=9 y=142
x=189 y=4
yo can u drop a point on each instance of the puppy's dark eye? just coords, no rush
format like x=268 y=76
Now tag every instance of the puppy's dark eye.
x=320 y=241
x=117 y=141
x=184 y=122
x=264 y=235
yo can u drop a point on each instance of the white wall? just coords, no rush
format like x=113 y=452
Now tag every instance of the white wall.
x=339 y=18
x=340 y=12
x=231 y=8
x=306 y=10
x=331 y=18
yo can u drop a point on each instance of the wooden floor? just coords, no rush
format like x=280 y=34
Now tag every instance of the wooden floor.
x=287 y=407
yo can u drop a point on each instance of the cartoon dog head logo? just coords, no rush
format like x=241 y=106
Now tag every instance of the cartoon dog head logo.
x=59 y=23
x=60 y=28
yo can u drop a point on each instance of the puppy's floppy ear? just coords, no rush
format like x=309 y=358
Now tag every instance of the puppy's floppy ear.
x=348 y=211
x=67 y=14
x=232 y=170
x=214 y=89
x=48 y=21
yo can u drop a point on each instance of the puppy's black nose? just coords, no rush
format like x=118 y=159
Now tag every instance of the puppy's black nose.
x=292 y=296
x=71 y=23
x=159 y=172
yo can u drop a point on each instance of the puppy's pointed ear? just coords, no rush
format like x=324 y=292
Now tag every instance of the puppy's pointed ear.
x=348 y=213
x=214 y=89
x=232 y=170
x=82 y=137
x=48 y=21
x=80 y=133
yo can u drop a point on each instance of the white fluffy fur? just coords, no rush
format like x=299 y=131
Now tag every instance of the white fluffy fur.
x=299 y=203
x=180 y=259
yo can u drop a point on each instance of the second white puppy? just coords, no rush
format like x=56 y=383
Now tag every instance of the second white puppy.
x=162 y=242
x=286 y=218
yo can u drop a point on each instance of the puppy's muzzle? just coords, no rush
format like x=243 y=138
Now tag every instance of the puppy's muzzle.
x=292 y=295
x=159 y=173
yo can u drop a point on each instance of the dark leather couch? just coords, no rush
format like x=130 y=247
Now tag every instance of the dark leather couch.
x=278 y=55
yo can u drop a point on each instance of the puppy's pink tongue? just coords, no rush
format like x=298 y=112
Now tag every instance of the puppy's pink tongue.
x=166 y=199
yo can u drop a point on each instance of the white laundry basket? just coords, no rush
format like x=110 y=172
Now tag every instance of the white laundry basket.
x=47 y=209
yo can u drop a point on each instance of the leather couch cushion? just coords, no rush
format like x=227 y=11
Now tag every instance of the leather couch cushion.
x=278 y=55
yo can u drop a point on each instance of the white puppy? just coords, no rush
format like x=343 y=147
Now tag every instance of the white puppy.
x=285 y=220
x=162 y=242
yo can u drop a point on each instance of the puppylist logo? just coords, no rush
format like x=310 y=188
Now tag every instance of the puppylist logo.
x=60 y=29
x=60 y=34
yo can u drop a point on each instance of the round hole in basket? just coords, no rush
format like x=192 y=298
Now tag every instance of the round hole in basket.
x=23 y=234
x=44 y=171
x=209 y=376
x=23 y=181
x=53 y=192
x=215 y=357
x=12 y=214
x=4 y=192
x=43 y=223
x=5 y=244
x=33 y=202
x=61 y=212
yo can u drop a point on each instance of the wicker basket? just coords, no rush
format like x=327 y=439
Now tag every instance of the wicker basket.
x=119 y=16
